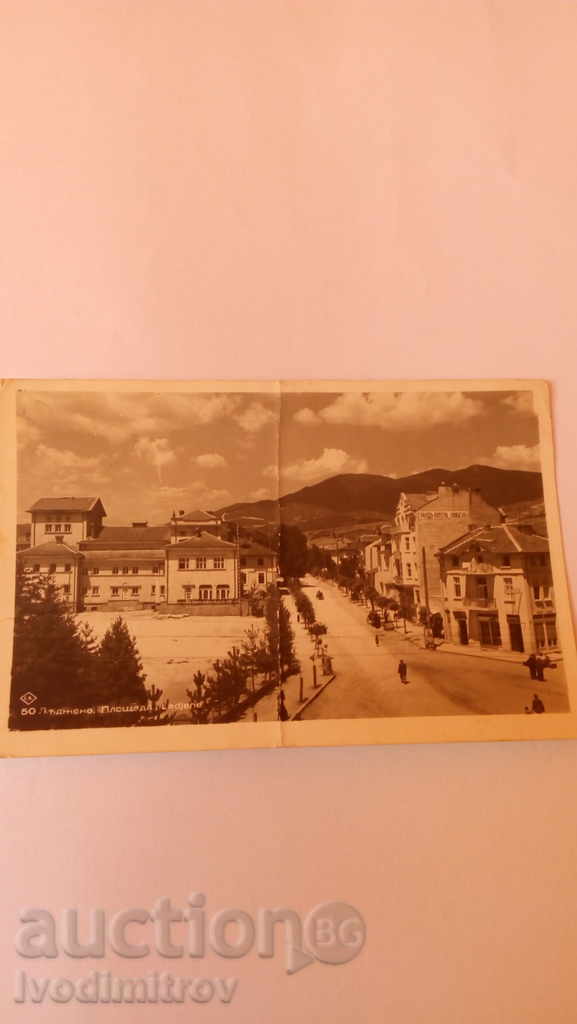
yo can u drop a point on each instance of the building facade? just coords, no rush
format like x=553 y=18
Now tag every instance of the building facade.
x=258 y=567
x=406 y=565
x=497 y=588
x=181 y=563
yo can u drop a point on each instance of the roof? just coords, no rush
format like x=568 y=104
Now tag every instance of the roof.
x=417 y=498
x=66 y=504
x=197 y=516
x=51 y=547
x=205 y=541
x=503 y=539
x=116 y=557
x=253 y=548
x=127 y=536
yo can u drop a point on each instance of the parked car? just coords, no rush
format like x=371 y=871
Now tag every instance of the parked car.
x=374 y=619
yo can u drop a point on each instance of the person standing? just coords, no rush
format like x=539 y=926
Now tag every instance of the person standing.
x=531 y=664
x=402 y=670
x=376 y=639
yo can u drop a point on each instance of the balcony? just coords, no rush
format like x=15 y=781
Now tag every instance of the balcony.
x=480 y=602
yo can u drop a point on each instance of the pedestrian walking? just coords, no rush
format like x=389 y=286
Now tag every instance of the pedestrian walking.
x=402 y=670
x=531 y=664
x=376 y=639
x=282 y=711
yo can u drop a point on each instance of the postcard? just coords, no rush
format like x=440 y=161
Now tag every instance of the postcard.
x=222 y=564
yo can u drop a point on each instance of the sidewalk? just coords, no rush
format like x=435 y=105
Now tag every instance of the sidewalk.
x=414 y=635
x=266 y=707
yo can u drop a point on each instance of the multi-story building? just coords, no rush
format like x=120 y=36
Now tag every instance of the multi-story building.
x=57 y=528
x=74 y=519
x=258 y=566
x=408 y=569
x=125 y=566
x=497 y=589
x=183 y=562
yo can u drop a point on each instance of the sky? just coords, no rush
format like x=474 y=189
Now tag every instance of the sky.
x=148 y=454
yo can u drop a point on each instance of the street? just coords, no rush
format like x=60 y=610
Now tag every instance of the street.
x=439 y=683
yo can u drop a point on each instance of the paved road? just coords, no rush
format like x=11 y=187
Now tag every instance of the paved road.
x=367 y=684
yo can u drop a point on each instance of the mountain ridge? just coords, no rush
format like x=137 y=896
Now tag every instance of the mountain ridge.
x=354 y=497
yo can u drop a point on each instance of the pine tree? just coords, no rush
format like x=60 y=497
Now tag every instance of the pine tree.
x=51 y=656
x=119 y=668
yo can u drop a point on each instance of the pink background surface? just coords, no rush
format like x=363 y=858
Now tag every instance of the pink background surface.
x=330 y=189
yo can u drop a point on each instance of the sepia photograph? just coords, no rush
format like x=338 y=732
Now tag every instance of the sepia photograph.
x=221 y=556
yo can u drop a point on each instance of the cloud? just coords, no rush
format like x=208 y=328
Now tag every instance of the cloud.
x=306 y=416
x=261 y=494
x=521 y=402
x=121 y=416
x=26 y=432
x=60 y=470
x=255 y=417
x=330 y=462
x=210 y=460
x=516 y=456
x=156 y=451
x=401 y=411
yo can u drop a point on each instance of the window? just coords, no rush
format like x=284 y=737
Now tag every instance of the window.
x=536 y=591
x=243 y=578
x=156 y=569
x=48 y=528
x=135 y=570
x=417 y=596
x=135 y=591
x=457 y=592
x=261 y=577
x=153 y=590
x=66 y=588
x=67 y=528
x=218 y=562
x=205 y=593
x=201 y=562
x=52 y=567
x=222 y=593
x=115 y=591
x=162 y=591
x=67 y=567
x=409 y=569
x=508 y=584
x=482 y=588
x=188 y=593
x=115 y=570
x=125 y=570
x=407 y=543
x=95 y=570
x=506 y=560
x=95 y=591
x=183 y=563
x=57 y=527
